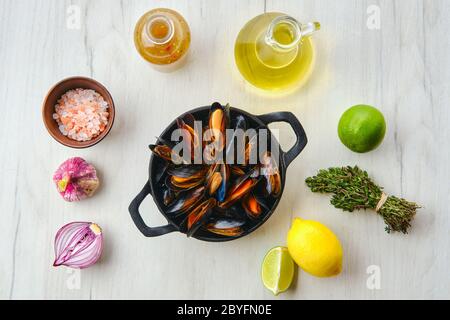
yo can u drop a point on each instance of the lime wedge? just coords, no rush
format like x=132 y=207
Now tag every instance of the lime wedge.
x=277 y=270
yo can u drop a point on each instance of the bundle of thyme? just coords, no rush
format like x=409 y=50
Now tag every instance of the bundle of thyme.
x=354 y=190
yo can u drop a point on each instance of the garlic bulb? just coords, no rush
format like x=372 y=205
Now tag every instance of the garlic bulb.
x=78 y=245
x=76 y=179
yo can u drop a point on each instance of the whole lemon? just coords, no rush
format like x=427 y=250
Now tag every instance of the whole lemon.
x=315 y=248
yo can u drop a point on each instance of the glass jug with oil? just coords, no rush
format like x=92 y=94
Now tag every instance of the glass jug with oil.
x=275 y=52
x=162 y=37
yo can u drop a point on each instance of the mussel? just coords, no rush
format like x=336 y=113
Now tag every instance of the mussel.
x=190 y=136
x=183 y=184
x=216 y=133
x=198 y=214
x=162 y=151
x=240 y=188
x=186 y=200
x=224 y=171
x=217 y=180
x=169 y=196
x=183 y=178
x=237 y=171
x=251 y=150
x=254 y=206
x=214 y=183
x=218 y=122
x=185 y=171
x=271 y=174
x=227 y=227
x=236 y=139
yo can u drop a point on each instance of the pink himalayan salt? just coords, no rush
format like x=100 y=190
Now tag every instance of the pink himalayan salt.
x=81 y=114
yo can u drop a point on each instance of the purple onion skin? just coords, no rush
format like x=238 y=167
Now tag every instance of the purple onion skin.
x=76 y=179
x=78 y=245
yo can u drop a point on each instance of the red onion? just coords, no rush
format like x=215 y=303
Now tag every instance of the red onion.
x=76 y=179
x=78 y=245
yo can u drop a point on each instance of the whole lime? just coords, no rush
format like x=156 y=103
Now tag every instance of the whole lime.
x=362 y=128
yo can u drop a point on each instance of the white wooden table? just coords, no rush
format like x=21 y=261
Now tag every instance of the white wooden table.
x=403 y=68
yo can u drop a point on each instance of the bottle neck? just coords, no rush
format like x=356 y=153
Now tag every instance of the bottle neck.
x=279 y=46
x=159 y=30
x=286 y=33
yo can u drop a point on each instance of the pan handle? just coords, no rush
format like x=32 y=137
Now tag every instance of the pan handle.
x=139 y=222
x=290 y=118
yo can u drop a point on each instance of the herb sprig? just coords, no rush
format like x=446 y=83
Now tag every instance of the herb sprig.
x=354 y=190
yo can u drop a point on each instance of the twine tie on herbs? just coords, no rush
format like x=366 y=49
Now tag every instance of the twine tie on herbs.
x=382 y=201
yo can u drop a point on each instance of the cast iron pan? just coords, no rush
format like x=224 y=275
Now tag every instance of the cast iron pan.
x=156 y=165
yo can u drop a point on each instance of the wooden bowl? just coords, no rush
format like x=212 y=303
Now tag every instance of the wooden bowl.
x=55 y=93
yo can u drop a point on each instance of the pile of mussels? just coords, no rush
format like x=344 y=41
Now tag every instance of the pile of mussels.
x=219 y=196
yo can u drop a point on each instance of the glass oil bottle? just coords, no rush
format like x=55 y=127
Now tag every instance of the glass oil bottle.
x=162 y=37
x=275 y=52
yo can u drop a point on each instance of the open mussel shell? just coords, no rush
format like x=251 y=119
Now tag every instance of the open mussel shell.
x=186 y=201
x=198 y=215
x=241 y=187
x=273 y=185
x=169 y=196
x=190 y=136
x=271 y=174
x=251 y=150
x=254 y=205
x=219 y=118
x=188 y=171
x=214 y=183
x=217 y=180
x=237 y=171
x=183 y=184
x=188 y=119
x=165 y=142
x=224 y=171
x=162 y=151
x=239 y=125
x=226 y=227
x=233 y=212
x=212 y=169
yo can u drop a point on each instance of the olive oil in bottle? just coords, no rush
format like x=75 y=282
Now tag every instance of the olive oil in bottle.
x=275 y=52
x=162 y=37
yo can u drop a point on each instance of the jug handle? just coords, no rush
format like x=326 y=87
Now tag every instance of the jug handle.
x=139 y=222
x=291 y=119
x=308 y=29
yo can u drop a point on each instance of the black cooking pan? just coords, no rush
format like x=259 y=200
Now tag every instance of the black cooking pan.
x=157 y=165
